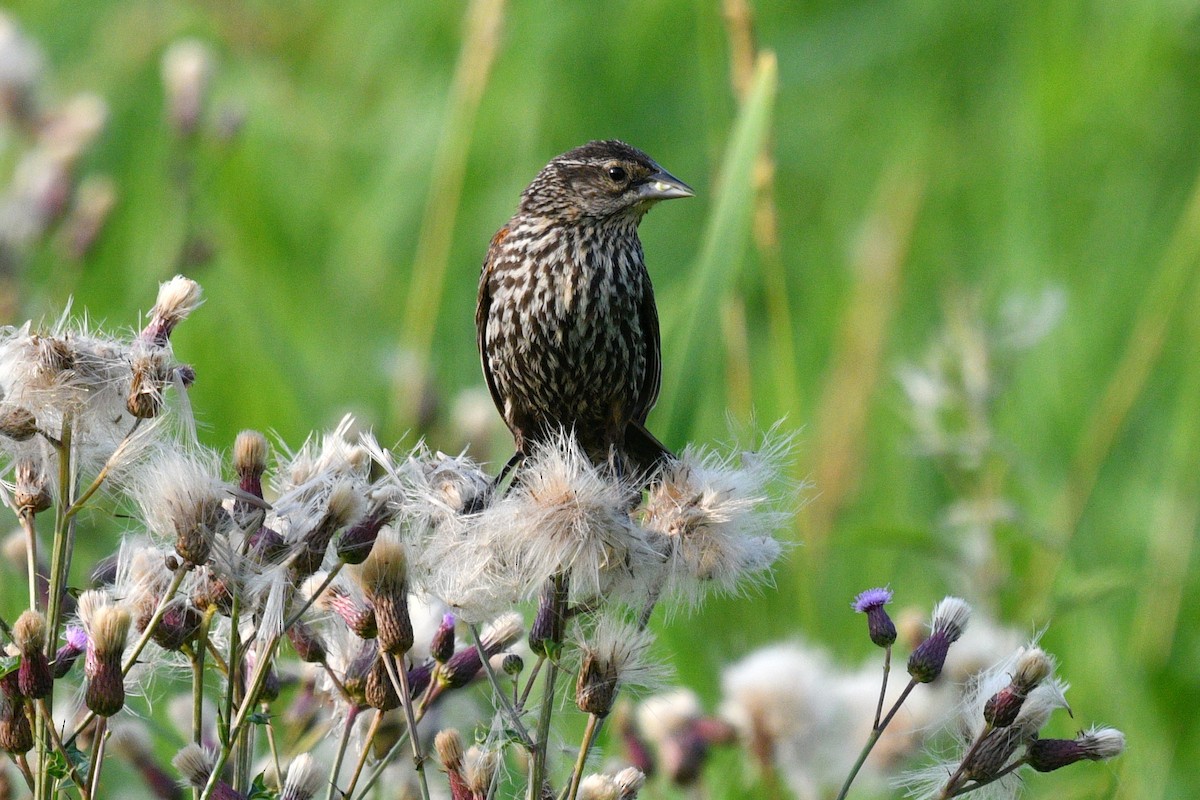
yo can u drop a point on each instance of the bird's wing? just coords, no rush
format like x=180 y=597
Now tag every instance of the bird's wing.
x=483 y=306
x=652 y=378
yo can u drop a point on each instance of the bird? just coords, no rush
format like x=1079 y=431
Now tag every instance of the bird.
x=566 y=321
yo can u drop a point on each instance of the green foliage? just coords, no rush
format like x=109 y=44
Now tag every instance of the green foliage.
x=1041 y=144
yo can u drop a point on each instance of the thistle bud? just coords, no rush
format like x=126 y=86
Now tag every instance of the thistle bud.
x=442 y=646
x=1098 y=744
x=303 y=781
x=879 y=625
x=68 y=654
x=108 y=627
x=1002 y=708
x=1033 y=666
x=177 y=626
x=512 y=664
x=17 y=422
x=380 y=691
x=419 y=678
x=196 y=765
x=32 y=494
x=949 y=620
x=307 y=643
x=343 y=507
x=550 y=622
x=249 y=462
x=597 y=686
x=15 y=734
x=993 y=753
x=384 y=578
x=463 y=666
x=448 y=745
x=354 y=609
x=29 y=635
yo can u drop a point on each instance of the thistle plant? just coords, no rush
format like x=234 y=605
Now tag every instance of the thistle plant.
x=395 y=577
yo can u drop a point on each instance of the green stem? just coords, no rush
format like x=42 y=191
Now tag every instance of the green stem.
x=343 y=742
x=97 y=756
x=399 y=677
x=78 y=504
x=27 y=523
x=198 y=677
x=887 y=667
x=872 y=739
x=58 y=745
x=513 y=717
x=362 y=756
x=589 y=734
x=537 y=766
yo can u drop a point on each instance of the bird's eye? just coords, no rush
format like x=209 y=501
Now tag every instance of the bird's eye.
x=617 y=174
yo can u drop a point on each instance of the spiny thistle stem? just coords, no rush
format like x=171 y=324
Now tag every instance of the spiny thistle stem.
x=873 y=738
x=62 y=525
x=26 y=773
x=399 y=678
x=271 y=743
x=231 y=665
x=509 y=711
x=261 y=668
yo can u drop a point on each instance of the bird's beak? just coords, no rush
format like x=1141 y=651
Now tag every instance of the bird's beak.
x=662 y=185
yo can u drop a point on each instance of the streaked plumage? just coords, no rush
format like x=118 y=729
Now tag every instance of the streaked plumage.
x=566 y=320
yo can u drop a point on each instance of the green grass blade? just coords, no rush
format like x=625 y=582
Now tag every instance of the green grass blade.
x=686 y=357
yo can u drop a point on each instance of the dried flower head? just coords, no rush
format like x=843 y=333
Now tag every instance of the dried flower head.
x=180 y=495
x=29 y=635
x=613 y=654
x=565 y=516
x=463 y=666
x=713 y=517
x=196 y=765
x=1095 y=744
x=949 y=621
x=383 y=577
x=107 y=626
x=17 y=423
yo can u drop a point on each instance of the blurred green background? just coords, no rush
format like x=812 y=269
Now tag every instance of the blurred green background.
x=931 y=159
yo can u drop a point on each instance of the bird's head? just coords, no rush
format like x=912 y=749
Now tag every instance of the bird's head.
x=601 y=180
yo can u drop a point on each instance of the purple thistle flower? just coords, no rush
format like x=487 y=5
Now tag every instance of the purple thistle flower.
x=871 y=598
x=879 y=625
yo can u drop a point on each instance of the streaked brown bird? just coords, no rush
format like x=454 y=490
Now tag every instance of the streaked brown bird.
x=566 y=321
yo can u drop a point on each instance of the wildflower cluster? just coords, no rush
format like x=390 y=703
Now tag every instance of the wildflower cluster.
x=397 y=578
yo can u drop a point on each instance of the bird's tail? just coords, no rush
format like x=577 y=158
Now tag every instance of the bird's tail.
x=646 y=454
